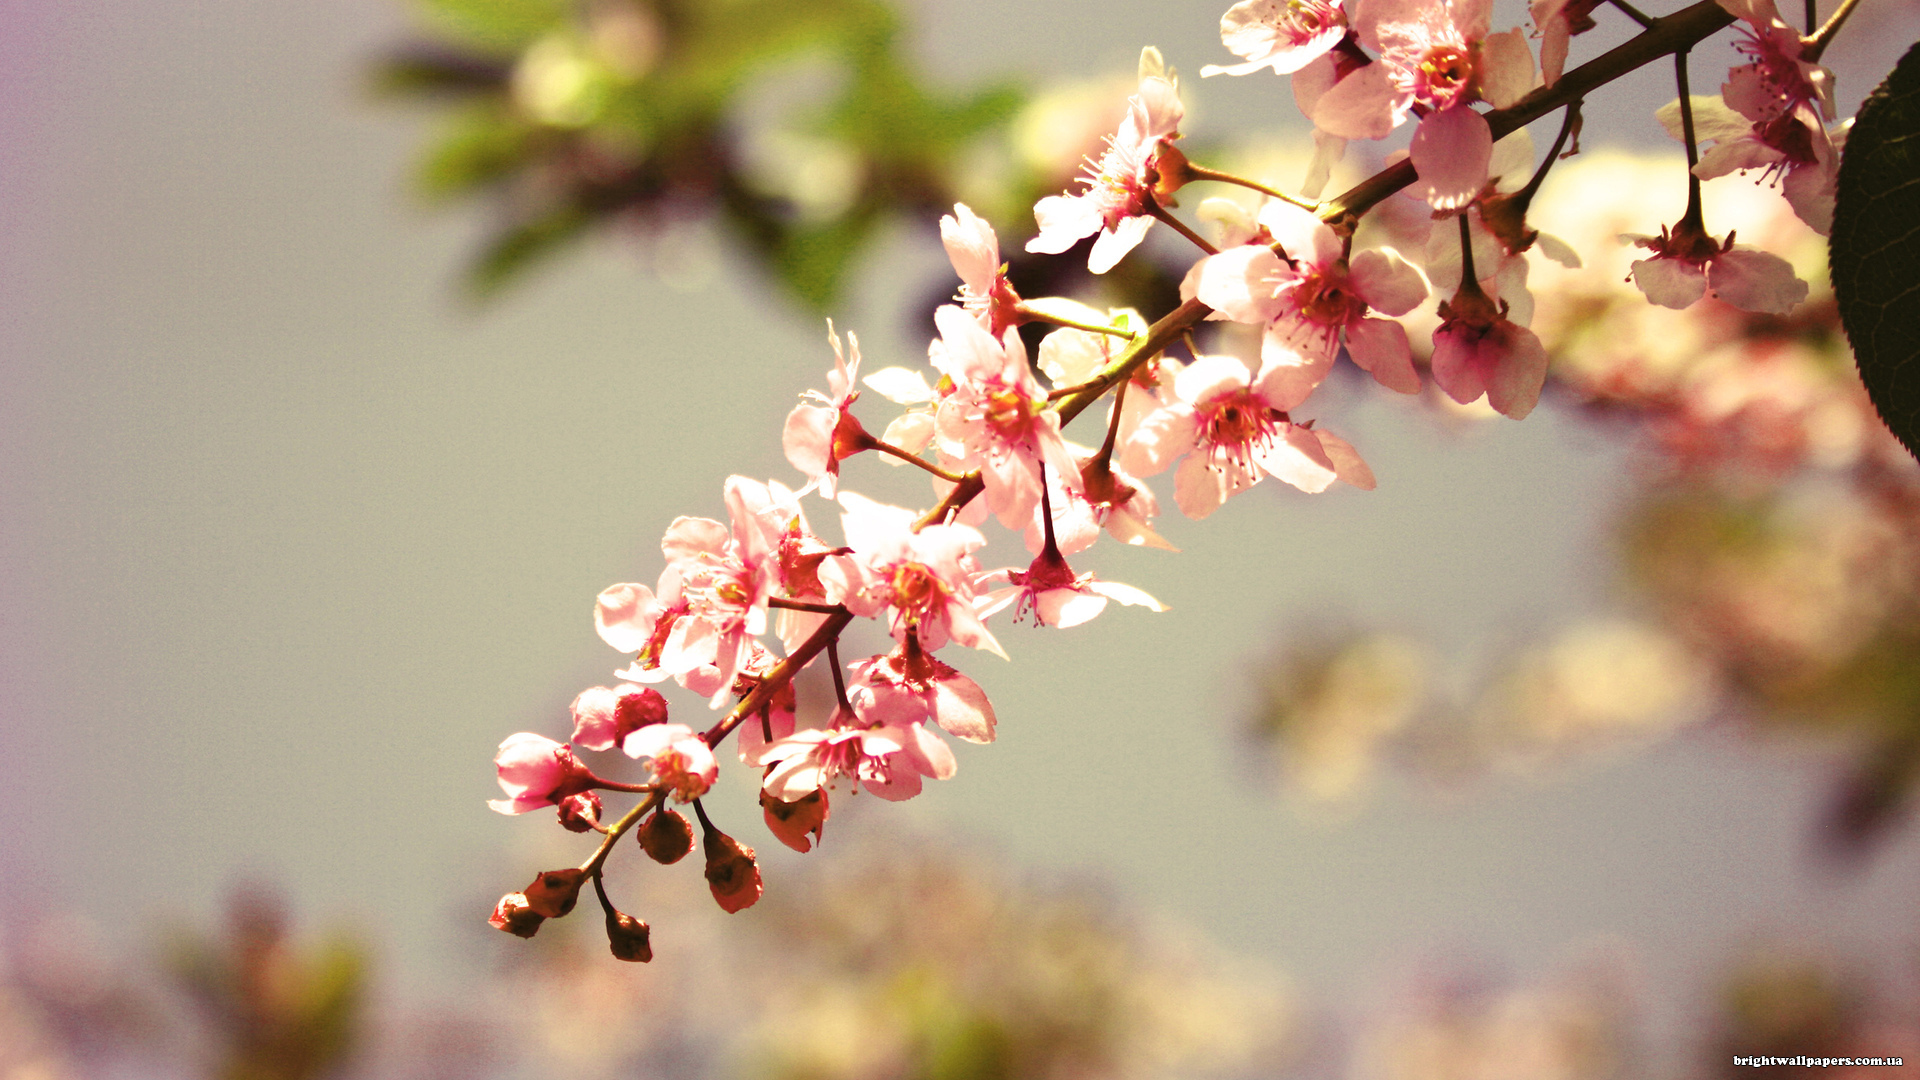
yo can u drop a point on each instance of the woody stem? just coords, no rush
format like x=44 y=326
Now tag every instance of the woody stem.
x=1469 y=281
x=1051 y=551
x=1632 y=13
x=1201 y=172
x=1158 y=211
x=1524 y=197
x=804 y=605
x=1113 y=426
x=1692 y=216
x=839 y=680
x=1817 y=42
x=1028 y=311
x=912 y=459
x=619 y=829
x=781 y=674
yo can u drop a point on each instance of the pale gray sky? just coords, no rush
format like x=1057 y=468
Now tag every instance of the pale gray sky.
x=289 y=541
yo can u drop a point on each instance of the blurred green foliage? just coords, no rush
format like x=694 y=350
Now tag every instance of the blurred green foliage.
x=280 y=1012
x=572 y=117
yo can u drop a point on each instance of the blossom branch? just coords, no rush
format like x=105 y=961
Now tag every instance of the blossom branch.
x=962 y=494
x=779 y=675
x=1667 y=35
x=912 y=459
x=1663 y=37
x=619 y=829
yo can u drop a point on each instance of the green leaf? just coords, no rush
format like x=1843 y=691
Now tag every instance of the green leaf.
x=505 y=25
x=480 y=147
x=511 y=253
x=1874 y=252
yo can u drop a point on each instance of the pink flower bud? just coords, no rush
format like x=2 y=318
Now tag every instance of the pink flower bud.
x=603 y=716
x=792 y=821
x=513 y=915
x=535 y=771
x=666 y=836
x=554 y=892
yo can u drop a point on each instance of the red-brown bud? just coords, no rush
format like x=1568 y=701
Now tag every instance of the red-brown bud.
x=792 y=821
x=666 y=836
x=636 y=709
x=514 y=916
x=580 y=813
x=732 y=874
x=554 y=892
x=1170 y=173
x=628 y=937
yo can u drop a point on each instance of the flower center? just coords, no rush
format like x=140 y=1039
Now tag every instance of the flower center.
x=1305 y=18
x=916 y=589
x=649 y=656
x=1115 y=186
x=1443 y=75
x=1326 y=301
x=1009 y=412
x=1232 y=426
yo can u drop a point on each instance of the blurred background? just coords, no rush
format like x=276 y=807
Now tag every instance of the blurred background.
x=351 y=349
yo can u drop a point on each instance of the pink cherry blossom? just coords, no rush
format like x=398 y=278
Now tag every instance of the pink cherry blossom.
x=984 y=290
x=909 y=686
x=1792 y=147
x=795 y=554
x=1478 y=351
x=924 y=579
x=1436 y=59
x=1315 y=300
x=1232 y=428
x=1687 y=264
x=633 y=618
x=818 y=437
x=726 y=578
x=1054 y=595
x=681 y=761
x=1285 y=35
x=603 y=716
x=887 y=760
x=1107 y=497
x=1116 y=202
x=996 y=419
x=535 y=771
x=1780 y=77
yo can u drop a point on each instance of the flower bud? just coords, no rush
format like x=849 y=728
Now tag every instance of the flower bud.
x=580 y=813
x=1170 y=173
x=603 y=716
x=554 y=892
x=666 y=836
x=513 y=915
x=628 y=937
x=792 y=821
x=732 y=874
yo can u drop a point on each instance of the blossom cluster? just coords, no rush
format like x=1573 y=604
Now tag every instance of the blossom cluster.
x=740 y=606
